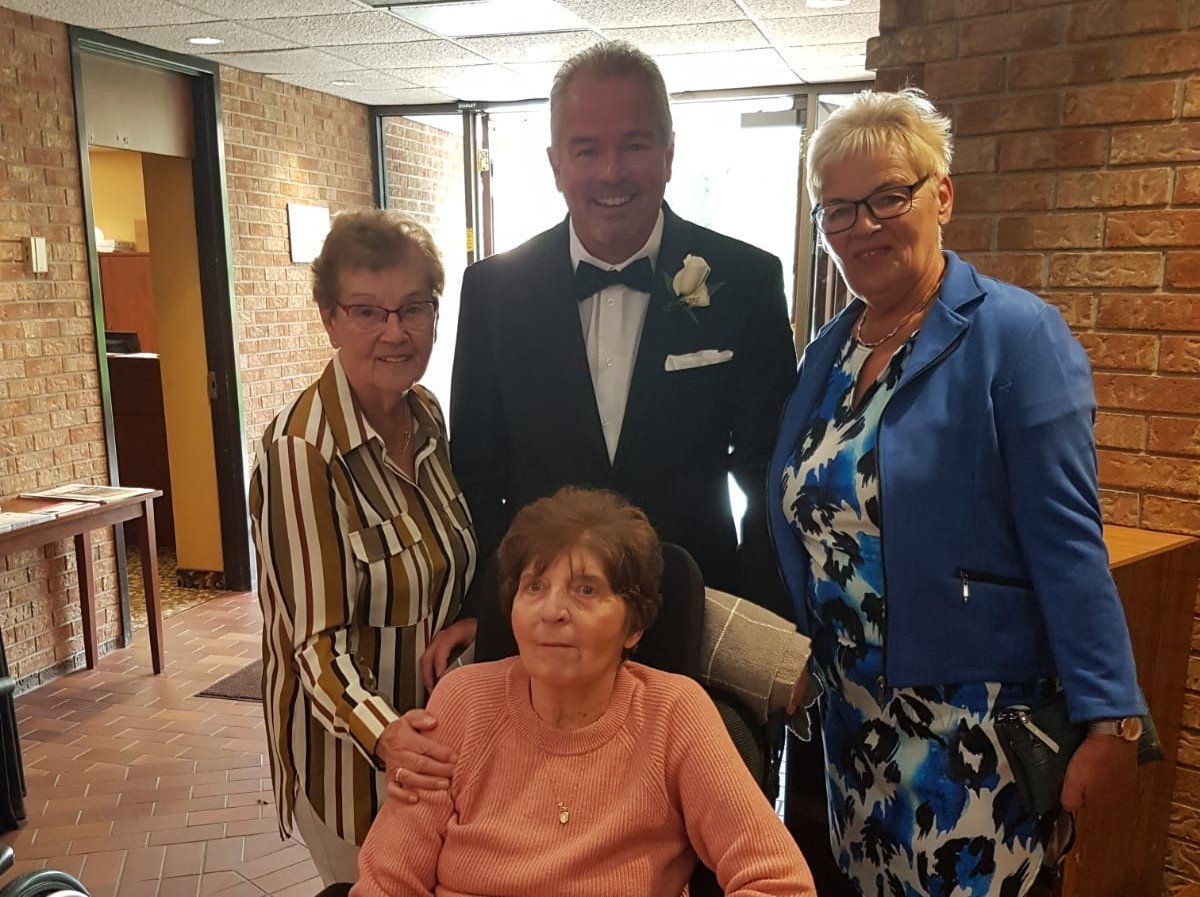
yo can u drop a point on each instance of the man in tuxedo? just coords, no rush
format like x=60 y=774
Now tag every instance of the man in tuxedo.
x=582 y=358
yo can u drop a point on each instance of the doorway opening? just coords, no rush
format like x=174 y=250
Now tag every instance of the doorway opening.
x=156 y=228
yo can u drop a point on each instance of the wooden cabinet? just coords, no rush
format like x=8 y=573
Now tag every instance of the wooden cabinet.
x=141 y=433
x=128 y=294
x=1121 y=850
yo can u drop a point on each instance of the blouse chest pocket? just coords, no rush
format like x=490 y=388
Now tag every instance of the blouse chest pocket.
x=390 y=562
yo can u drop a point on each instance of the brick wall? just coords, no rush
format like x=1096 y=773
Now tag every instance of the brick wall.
x=1077 y=175
x=424 y=168
x=50 y=429
x=283 y=144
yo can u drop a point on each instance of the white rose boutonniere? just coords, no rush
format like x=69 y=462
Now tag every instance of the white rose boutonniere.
x=690 y=287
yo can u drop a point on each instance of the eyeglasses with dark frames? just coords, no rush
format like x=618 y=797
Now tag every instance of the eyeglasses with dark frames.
x=888 y=202
x=415 y=317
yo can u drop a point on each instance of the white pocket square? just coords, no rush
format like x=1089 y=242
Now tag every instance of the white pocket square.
x=700 y=359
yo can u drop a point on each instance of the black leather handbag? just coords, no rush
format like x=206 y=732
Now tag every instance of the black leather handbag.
x=1040 y=741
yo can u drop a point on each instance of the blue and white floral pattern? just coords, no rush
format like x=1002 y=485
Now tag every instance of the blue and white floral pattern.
x=922 y=800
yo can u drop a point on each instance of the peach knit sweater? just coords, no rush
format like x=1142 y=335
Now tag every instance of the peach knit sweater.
x=649 y=785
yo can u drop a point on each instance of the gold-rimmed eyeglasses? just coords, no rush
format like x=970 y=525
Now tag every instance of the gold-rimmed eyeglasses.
x=887 y=202
x=415 y=317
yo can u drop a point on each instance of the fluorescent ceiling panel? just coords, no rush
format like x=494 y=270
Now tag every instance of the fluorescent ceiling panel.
x=480 y=17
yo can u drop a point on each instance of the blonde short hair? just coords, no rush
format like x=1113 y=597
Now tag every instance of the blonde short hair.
x=875 y=123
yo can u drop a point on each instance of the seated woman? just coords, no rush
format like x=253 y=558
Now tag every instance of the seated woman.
x=578 y=770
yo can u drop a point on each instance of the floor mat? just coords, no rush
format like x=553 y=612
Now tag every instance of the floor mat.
x=244 y=685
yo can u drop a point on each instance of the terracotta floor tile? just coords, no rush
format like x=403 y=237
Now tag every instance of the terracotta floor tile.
x=184 y=859
x=266 y=824
x=276 y=881
x=150 y=823
x=103 y=868
x=228 y=814
x=224 y=855
x=108 y=842
x=143 y=790
x=143 y=864
x=307 y=888
x=183 y=886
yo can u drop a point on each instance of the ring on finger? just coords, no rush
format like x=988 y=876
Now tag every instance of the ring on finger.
x=397 y=776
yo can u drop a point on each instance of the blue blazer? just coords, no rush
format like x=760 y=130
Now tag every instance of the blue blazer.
x=994 y=561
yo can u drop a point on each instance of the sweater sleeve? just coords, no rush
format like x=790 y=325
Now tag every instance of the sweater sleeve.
x=729 y=822
x=401 y=853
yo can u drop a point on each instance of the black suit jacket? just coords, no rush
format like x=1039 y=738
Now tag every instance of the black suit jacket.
x=523 y=417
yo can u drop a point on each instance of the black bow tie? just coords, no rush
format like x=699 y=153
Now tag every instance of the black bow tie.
x=589 y=279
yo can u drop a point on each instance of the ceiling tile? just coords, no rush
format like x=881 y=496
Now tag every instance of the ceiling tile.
x=533 y=48
x=826 y=74
x=821 y=55
x=282 y=61
x=786 y=9
x=797 y=32
x=363 y=27
x=236 y=38
x=362 y=79
x=396 y=96
x=268 y=9
x=536 y=74
x=695 y=38
x=409 y=54
x=639 y=13
x=112 y=14
x=453 y=77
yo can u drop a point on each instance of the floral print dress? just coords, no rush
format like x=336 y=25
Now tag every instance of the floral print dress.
x=921 y=799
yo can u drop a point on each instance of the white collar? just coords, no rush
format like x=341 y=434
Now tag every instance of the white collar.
x=649 y=249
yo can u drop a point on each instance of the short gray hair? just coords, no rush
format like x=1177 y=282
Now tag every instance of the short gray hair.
x=613 y=59
x=875 y=122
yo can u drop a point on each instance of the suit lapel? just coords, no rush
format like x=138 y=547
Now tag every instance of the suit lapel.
x=656 y=339
x=568 y=392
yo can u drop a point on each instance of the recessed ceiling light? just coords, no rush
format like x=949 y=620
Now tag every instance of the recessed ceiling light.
x=205 y=41
x=342 y=82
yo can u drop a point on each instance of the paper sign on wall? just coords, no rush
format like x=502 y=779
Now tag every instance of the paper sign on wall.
x=307 y=227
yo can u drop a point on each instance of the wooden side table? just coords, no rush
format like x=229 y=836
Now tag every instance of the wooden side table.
x=78 y=526
x=1121 y=850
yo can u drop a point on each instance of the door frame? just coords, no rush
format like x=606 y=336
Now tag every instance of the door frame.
x=217 y=292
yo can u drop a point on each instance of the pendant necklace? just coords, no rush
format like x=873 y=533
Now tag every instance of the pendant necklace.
x=875 y=344
x=564 y=813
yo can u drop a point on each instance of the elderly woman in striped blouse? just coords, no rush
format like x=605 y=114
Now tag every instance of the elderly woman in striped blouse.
x=364 y=542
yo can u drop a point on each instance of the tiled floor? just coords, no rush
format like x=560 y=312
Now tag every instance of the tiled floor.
x=174 y=598
x=143 y=790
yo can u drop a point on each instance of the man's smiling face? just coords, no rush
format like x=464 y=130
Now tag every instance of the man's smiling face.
x=611 y=163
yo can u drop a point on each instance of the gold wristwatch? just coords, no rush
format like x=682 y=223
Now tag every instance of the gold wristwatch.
x=1128 y=728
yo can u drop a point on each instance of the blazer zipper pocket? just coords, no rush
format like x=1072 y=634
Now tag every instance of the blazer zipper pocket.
x=994 y=578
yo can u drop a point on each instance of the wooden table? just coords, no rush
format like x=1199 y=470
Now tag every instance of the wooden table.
x=1121 y=849
x=79 y=525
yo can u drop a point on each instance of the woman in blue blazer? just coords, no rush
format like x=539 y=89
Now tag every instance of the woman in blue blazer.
x=933 y=500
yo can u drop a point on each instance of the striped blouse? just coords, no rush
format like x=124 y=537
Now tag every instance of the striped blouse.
x=358 y=568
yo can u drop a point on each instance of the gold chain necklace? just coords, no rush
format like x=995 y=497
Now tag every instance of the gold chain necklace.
x=875 y=344
x=564 y=813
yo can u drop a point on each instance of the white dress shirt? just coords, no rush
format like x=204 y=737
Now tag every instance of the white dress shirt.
x=612 y=322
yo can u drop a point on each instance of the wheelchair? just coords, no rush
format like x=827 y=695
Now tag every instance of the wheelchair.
x=38 y=883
